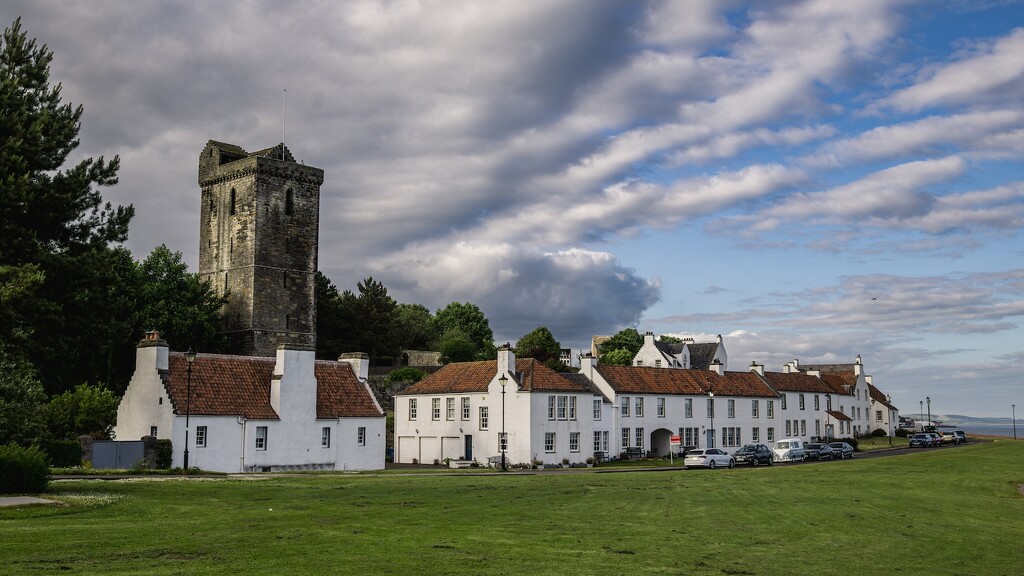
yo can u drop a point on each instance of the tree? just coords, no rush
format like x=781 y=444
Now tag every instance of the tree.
x=670 y=339
x=87 y=410
x=332 y=325
x=406 y=374
x=183 y=307
x=21 y=402
x=539 y=344
x=617 y=357
x=415 y=327
x=470 y=322
x=454 y=347
x=55 y=223
x=628 y=339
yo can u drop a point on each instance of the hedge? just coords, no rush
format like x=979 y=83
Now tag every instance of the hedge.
x=23 y=470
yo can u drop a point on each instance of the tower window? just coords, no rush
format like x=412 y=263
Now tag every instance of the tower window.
x=289 y=202
x=284 y=279
x=232 y=209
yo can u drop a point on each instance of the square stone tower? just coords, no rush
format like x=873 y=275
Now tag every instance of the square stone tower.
x=258 y=234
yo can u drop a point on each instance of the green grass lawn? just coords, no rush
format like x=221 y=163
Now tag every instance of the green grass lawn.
x=955 y=511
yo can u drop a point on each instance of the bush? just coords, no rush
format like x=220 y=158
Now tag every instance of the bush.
x=164 y=453
x=879 y=433
x=407 y=374
x=22 y=470
x=902 y=433
x=63 y=453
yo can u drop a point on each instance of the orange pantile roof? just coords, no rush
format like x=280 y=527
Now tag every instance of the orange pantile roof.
x=877 y=396
x=839 y=415
x=468 y=377
x=650 y=380
x=240 y=386
x=742 y=384
x=837 y=384
x=796 y=382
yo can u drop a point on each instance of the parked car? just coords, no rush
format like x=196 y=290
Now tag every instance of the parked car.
x=935 y=438
x=961 y=435
x=816 y=451
x=841 y=450
x=949 y=438
x=921 y=440
x=788 y=450
x=708 y=458
x=753 y=454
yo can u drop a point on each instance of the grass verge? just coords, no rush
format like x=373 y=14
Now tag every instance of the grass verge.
x=934 y=512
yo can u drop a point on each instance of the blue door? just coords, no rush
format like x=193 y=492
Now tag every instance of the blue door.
x=469 y=447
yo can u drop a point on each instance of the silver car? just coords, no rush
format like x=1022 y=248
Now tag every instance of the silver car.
x=710 y=458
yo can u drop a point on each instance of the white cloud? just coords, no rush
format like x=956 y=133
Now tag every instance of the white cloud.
x=996 y=73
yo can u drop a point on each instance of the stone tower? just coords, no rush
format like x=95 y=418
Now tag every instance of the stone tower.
x=258 y=233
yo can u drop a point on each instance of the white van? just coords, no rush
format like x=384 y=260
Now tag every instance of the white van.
x=788 y=450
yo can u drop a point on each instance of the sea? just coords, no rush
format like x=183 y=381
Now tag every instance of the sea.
x=993 y=430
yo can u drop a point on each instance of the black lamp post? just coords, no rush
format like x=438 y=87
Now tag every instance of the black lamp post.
x=190 y=357
x=828 y=417
x=711 y=406
x=921 y=406
x=501 y=439
x=928 y=399
x=888 y=418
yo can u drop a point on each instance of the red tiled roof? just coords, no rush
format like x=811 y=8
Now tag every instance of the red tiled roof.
x=650 y=380
x=240 y=386
x=837 y=383
x=797 y=382
x=839 y=415
x=339 y=394
x=466 y=377
x=742 y=384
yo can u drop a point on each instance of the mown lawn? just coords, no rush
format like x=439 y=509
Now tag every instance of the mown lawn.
x=955 y=511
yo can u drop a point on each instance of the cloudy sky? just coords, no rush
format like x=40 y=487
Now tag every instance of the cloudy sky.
x=812 y=180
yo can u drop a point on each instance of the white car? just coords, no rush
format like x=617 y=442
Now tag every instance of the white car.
x=789 y=450
x=710 y=458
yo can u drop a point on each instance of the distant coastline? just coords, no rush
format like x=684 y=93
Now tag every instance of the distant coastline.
x=992 y=430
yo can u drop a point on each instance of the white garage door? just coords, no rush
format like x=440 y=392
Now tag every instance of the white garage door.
x=451 y=447
x=407 y=449
x=430 y=449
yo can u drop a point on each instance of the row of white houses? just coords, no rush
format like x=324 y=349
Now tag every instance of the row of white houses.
x=462 y=410
x=292 y=412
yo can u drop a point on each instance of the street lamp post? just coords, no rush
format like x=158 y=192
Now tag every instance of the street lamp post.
x=1013 y=415
x=501 y=439
x=828 y=417
x=921 y=405
x=711 y=407
x=190 y=357
x=888 y=418
x=928 y=399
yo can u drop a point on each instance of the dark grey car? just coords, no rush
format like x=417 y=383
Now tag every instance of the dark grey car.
x=841 y=450
x=753 y=454
x=815 y=451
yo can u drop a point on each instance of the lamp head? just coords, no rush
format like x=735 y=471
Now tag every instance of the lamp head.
x=190 y=356
x=503 y=380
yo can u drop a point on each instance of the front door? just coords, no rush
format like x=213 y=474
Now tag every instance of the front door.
x=469 y=447
x=710 y=438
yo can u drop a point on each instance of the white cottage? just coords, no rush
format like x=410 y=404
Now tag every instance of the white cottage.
x=685 y=354
x=244 y=413
x=459 y=412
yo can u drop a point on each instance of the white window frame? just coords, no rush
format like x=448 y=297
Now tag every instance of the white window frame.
x=549 y=442
x=465 y=408
x=755 y=409
x=449 y=412
x=730 y=406
x=435 y=409
x=261 y=438
x=551 y=407
x=638 y=409
x=572 y=407
x=661 y=407
x=688 y=407
x=361 y=436
x=771 y=409
x=624 y=403
x=503 y=441
x=412 y=408
x=484 y=416
x=574 y=441
x=597 y=408
x=325 y=437
x=201 y=436
x=639 y=433
x=625 y=438
x=562 y=405
x=802 y=404
x=755 y=434
x=771 y=434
